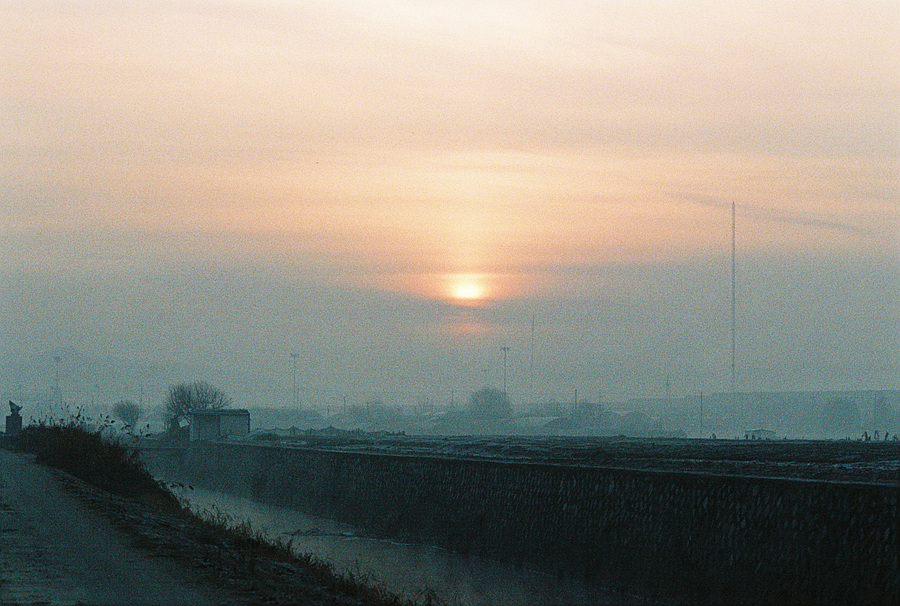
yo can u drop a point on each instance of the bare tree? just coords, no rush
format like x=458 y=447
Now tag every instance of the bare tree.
x=128 y=412
x=185 y=397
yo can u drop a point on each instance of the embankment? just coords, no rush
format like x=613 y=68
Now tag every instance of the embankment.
x=692 y=537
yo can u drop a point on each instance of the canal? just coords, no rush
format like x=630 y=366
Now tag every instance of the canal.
x=407 y=569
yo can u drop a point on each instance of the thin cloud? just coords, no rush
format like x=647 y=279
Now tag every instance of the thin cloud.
x=816 y=222
x=769 y=214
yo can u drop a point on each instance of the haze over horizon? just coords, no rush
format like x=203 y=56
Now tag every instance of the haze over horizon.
x=396 y=190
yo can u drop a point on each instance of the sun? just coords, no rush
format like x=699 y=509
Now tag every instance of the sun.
x=467 y=290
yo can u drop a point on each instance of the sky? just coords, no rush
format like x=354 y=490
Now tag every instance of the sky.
x=394 y=190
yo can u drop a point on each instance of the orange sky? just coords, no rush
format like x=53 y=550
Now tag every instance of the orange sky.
x=428 y=149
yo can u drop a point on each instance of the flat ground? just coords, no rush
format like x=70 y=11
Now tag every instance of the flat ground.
x=831 y=460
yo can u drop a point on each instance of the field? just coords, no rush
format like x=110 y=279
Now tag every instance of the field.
x=842 y=461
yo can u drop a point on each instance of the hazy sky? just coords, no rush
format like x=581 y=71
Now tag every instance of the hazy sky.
x=395 y=190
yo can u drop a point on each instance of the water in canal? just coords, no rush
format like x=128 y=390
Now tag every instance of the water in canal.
x=403 y=568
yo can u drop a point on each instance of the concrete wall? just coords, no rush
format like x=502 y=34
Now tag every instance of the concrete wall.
x=692 y=537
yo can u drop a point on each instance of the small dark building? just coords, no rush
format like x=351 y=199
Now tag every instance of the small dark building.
x=214 y=424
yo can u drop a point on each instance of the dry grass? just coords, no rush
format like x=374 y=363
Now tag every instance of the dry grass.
x=90 y=451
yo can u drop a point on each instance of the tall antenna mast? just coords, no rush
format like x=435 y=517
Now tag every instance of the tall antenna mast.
x=733 y=297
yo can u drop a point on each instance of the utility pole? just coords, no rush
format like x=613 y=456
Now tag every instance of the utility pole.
x=504 y=349
x=295 y=393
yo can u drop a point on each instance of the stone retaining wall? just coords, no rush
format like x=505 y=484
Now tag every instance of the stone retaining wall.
x=695 y=538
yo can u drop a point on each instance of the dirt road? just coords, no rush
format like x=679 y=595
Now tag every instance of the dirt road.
x=53 y=550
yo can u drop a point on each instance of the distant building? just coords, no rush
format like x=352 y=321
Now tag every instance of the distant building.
x=209 y=424
x=759 y=434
